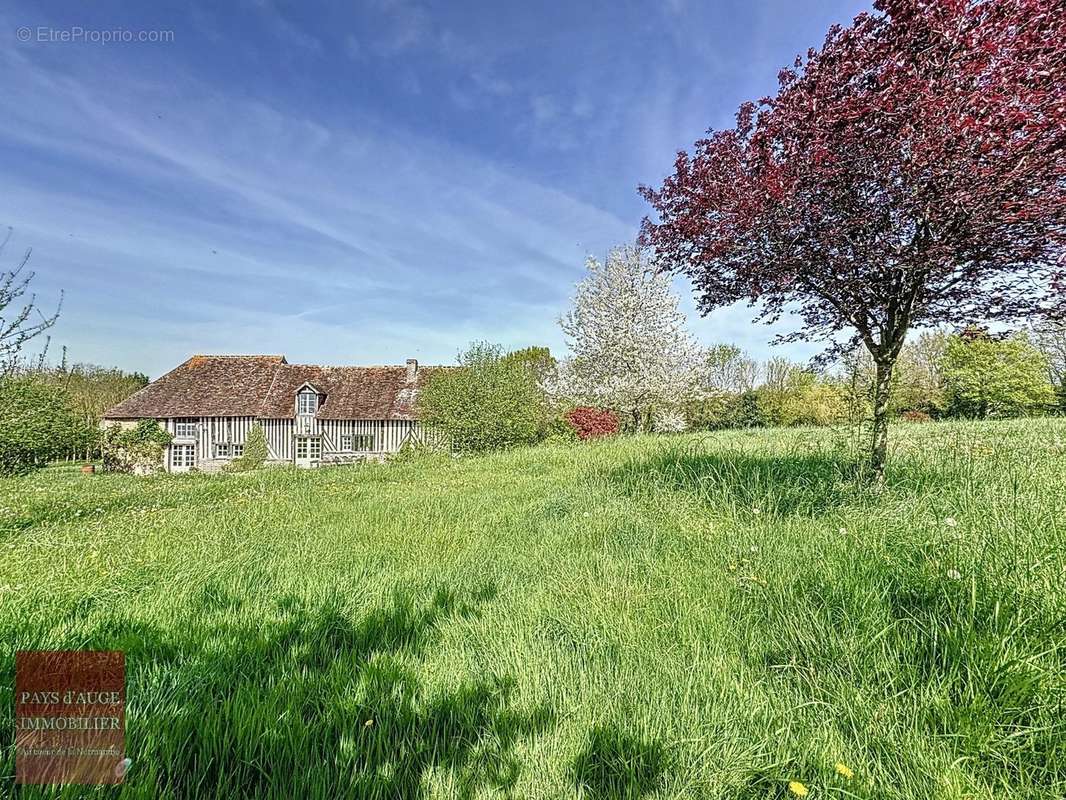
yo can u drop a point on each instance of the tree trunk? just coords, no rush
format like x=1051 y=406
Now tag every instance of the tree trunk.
x=882 y=389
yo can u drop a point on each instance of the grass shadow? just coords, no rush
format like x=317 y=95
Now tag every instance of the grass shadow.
x=312 y=700
x=801 y=483
x=615 y=765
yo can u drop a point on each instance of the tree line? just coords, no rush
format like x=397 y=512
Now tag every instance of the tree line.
x=631 y=355
x=50 y=413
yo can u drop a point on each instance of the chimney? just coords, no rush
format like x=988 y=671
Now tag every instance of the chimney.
x=412 y=369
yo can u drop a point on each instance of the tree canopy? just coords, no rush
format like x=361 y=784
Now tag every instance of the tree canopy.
x=908 y=173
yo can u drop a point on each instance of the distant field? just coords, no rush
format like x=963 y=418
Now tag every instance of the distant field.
x=678 y=617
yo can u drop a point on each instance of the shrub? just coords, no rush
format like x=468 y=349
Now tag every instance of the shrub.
x=669 y=420
x=803 y=398
x=592 y=423
x=37 y=425
x=916 y=416
x=139 y=449
x=255 y=452
x=560 y=431
x=724 y=410
x=489 y=402
x=986 y=376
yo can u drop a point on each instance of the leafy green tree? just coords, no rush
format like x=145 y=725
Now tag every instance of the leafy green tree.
x=995 y=377
x=489 y=402
x=37 y=424
x=538 y=360
x=800 y=397
x=255 y=451
x=91 y=390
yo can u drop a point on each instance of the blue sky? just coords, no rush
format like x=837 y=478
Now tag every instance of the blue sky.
x=358 y=182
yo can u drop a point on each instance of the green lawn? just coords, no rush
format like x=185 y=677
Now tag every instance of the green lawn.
x=695 y=616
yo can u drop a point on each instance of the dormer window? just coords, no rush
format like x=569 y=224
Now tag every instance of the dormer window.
x=306 y=402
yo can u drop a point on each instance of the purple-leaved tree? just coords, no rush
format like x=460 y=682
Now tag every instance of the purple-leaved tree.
x=910 y=172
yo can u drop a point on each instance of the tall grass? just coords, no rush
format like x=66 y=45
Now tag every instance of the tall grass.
x=679 y=617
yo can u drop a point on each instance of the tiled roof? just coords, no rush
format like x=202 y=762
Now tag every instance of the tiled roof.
x=351 y=392
x=265 y=386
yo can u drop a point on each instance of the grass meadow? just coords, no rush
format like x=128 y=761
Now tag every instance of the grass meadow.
x=650 y=617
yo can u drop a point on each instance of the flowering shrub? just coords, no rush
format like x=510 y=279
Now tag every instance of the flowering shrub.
x=591 y=423
x=916 y=416
x=670 y=421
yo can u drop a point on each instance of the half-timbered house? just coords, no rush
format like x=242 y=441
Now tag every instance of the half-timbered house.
x=311 y=415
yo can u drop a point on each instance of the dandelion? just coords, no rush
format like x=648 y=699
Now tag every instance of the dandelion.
x=798 y=789
x=950 y=522
x=844 y=770
x=368 y=724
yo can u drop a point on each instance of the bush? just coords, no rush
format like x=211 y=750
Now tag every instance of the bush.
x=489 y=402
x=139 y=449
x=560 y=431
x=986 y=376
x=37 y=425
x=669 y=420
x=724 y=411
x=592 y=423
x=255 y=452
x=803 y=398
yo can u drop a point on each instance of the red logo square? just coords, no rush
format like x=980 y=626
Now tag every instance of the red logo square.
x=70 y=717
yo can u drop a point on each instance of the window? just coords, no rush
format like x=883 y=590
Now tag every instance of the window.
x=185 y=428
x=308 y=448
x=225 y=450
x=346 y=444
x=306 y=402
x=182 y=456
x=364 y=442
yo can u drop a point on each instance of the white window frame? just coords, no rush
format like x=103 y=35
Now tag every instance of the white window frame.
x=346 y=443
x=228 y=450
x=314 y=447
x=182 y=455
x=311 y=406
x=185 y=429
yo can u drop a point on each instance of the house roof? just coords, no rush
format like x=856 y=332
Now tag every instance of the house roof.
x=266 y=386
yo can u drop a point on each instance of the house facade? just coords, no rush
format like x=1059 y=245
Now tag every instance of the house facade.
x=311 y=415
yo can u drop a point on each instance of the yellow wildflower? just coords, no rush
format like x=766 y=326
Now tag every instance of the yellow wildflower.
x=844 y=770
x=798 y=789
x=368 y=723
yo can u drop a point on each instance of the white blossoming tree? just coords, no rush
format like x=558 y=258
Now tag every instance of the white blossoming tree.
x=631 y=349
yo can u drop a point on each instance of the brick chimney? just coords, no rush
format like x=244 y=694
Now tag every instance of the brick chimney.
x=412 y=369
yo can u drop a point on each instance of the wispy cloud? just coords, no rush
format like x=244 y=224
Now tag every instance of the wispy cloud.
x=331 y=238
x=359 y=183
